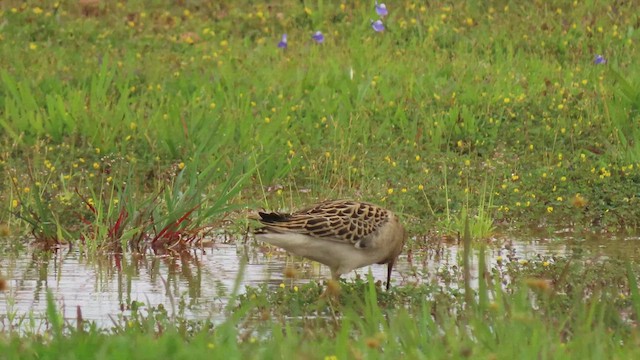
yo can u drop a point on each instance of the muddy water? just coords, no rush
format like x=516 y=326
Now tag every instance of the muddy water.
x=201 y=280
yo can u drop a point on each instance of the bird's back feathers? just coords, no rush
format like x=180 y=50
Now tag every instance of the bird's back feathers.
x=337 y=220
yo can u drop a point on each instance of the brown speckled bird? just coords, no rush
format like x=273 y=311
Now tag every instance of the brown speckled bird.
x=342 y=234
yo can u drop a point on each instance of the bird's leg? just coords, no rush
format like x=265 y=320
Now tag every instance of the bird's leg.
x=389 y=268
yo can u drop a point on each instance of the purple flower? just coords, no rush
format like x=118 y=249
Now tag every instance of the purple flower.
x=377 y=25
x=381 y=9
x=283 y=43
x=318 y=37
x=599 y=59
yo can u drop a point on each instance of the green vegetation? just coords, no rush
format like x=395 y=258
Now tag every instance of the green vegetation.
x=549 y=308
x=139 y=125
x=497 y=111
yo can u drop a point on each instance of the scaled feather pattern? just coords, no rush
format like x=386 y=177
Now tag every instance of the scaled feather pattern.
x=341 y=234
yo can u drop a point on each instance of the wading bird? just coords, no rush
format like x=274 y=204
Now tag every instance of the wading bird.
x=342 y=234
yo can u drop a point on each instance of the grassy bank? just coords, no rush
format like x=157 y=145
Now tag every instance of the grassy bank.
x=498 y=110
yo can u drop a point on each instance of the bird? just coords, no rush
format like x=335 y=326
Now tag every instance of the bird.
x=342 y=234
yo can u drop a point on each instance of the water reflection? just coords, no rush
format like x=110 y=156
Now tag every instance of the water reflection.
x=198 y=282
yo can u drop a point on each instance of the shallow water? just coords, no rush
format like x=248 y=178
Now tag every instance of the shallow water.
x=104 y=287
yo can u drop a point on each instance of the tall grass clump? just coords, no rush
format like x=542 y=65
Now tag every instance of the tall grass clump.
x=122 y=214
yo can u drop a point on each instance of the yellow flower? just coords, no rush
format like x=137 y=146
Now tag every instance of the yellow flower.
x=282 y=285
x=545 y=263
x=578 y=201
x=549 y=209
x=181 y=166
x=420 y=187
x=96 y=165
x=15 y=203
x=390 y=191
x=33 y=46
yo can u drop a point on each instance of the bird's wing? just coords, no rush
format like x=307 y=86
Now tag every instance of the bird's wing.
x=347 y=221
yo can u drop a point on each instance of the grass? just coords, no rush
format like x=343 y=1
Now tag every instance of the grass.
x=378 y=116
x=139 y=126
x=546 y=308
